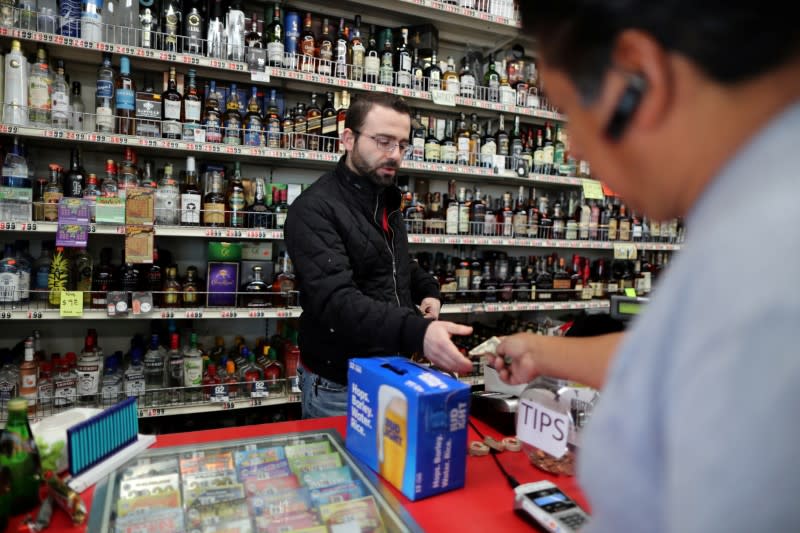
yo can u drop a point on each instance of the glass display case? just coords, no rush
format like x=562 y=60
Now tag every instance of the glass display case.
x=293 y=482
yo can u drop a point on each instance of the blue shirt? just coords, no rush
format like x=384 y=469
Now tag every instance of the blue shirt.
x=696 y=429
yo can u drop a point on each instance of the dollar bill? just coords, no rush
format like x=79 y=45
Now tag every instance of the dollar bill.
x=487 y=347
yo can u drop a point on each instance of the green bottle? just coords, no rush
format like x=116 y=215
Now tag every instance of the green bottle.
x=19 y=462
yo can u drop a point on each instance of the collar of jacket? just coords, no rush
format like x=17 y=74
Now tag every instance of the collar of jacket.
x=366 y=191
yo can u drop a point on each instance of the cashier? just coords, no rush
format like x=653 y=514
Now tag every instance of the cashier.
x=361 y=293
x=687 y=109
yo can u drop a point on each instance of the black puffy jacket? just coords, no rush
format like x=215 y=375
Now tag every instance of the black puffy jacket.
x=358 y=285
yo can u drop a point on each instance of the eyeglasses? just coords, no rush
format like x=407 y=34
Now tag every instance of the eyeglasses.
x=385 y=144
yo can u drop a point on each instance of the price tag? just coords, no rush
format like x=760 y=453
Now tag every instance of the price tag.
x=624 y=250
x=71 y=304
x=441 y=97
x=592 y=190
x=630 y=293
x=262 y=77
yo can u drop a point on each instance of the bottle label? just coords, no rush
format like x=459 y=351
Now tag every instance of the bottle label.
x=453 y=86
x=358 y=67
x=280 y=220
x=88 y=379
x=166 y=205
x=213 y=214
x=433 y=152
x=548 y=154
x=488 y=151
x=341 y=58
x=192 y=371
x=325 y=58
x=126 y=99
x=463 y=148
x=372 y=65
x=507 y=95
x=275 y=52
x=66 y=389
x=253 y=133
x=60 y=102
x=172 y=109
x=28 y=381
x=451 y=224
x=105 y=89
x=463 y=219
x=233 y=126
x=449 y=153
x=468 y=86
x=134 y=384
x=329 y=125
x=237 y=209
x=213 y=129
x=418 y=149
x=191 y=110
x=9 y=287
x=105 y=119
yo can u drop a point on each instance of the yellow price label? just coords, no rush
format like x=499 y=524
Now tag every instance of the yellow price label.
x=630 y=293
x=71 y=303
x=624 y=250
x=592 y=190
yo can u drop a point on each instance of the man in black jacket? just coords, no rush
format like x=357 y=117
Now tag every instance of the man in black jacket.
x=359 y=287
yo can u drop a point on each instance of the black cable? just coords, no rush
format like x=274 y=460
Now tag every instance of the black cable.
x=511 y=479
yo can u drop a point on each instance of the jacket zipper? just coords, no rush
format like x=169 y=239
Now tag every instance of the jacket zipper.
x=389 y=247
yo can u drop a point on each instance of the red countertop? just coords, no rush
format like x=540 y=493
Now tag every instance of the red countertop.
x=484 y=504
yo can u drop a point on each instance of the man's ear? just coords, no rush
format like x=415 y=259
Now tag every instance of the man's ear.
x=348 y=139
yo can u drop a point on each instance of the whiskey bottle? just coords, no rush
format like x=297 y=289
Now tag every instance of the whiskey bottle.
x=214 y=202
x=386 y=76
x=403 y=61
x=272 y=120
x=356 y=52
x=308 y=45
x=433 y=74
x=340 y=51
x=372 y=58
x=253 y=122
x=212 y=117
x=172 y=105
x=433 y=148
x=234 y=200
x=259 y=213
x=328 y=131
x=325 y=53
x=314 y=125
x=275 y=37
x=256 y=292
x=232 y=119
x=171 y=293
x=192 y=107
x=452 y=83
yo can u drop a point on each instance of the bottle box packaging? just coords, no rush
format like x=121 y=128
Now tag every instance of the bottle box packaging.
x=408 y=423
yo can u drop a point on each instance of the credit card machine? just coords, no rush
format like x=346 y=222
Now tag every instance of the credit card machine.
x=544 y=502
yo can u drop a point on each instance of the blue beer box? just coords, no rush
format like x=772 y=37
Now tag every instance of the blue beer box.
x=409 y=424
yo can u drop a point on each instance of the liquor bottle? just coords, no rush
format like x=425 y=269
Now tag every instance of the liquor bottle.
x=234 y=200
x=28 y=374
x=154 y=378
x=450 y=77
x=15 y=93
x=308 y=45
x=464 y=204
x=212 y=118
x=192 y=107
x=272 y=120
x=558 y=152
x=171 y=292
x=230 y=380
x=111 y=381
x=417 y=72
x=167 y=199
x=234 y=31
x=273 y=372
x=133 y=379
x=193 y=42
x=253 y=123
x=474 y=141
x=520 y=219
x=624 y=223
x=39 y=90
x=253 y=39
x=585 y=219
x=340 y=48
x=174 y=370
x=325 y=47
x=341 y=117
x=449 y=151
x=386 y=74
x=516 y=149
x=372 y=58
x=92 y=20
x=45 y=389
x=356 y=52
x=299 y=130
x=467 y=81
x=153 y=281
x=214 y=203
x=436 y=223
x=104 y=96
x=89 y=371
x=417 y=152
x=191 y=198
x=75 y=180
x=433 y=74
x=544 y=280
x=283 y=287
x=232 y=119
x=53 y=193
x=19 y=460
x=314 y=125
x=562 y=284
x=548 y=150
x=9 y=277
x=189 y=288
x=125 y=100
x=58 y=277
x=147 y=21
x=280 y=207
x=171 y=17
x=129 y=276
x=212 y=390
x=81 y=270
x=103 y=280
x=192 y=370
x=559 y=221
x=613 y=222
x=215 y=34
x=258 y=213
x=275 y=35
x=507 y=96
x=477 y=214
x=488 y=147
x=538 y=153
x=287 y=126
x=502 y=140
x=452 y=212
x=172 y=105
x=256 y=292
x=60 y=99
x=329 y=131
x=76 y=108
x=403 y=61
x=491 y=79
x=462 y=139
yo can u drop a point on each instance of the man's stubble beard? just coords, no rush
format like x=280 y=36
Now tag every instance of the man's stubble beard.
x=363 y=169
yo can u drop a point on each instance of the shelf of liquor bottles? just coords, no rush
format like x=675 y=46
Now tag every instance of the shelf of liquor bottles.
x=305 y=158
x=33 y=312
x=511 y=307
x=524 y=103
x=525 y=242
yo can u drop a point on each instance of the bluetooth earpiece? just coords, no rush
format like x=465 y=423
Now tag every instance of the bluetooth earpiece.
x=626 y=107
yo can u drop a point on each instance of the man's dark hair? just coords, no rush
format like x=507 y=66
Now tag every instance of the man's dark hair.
x=363 y=103
x=729 y=40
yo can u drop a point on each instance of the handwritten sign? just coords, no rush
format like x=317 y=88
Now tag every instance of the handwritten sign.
x=624 y=250
x=443 y=97
x=543 y=428
x=71 y=304
x=630 y=293
x=592 y=190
